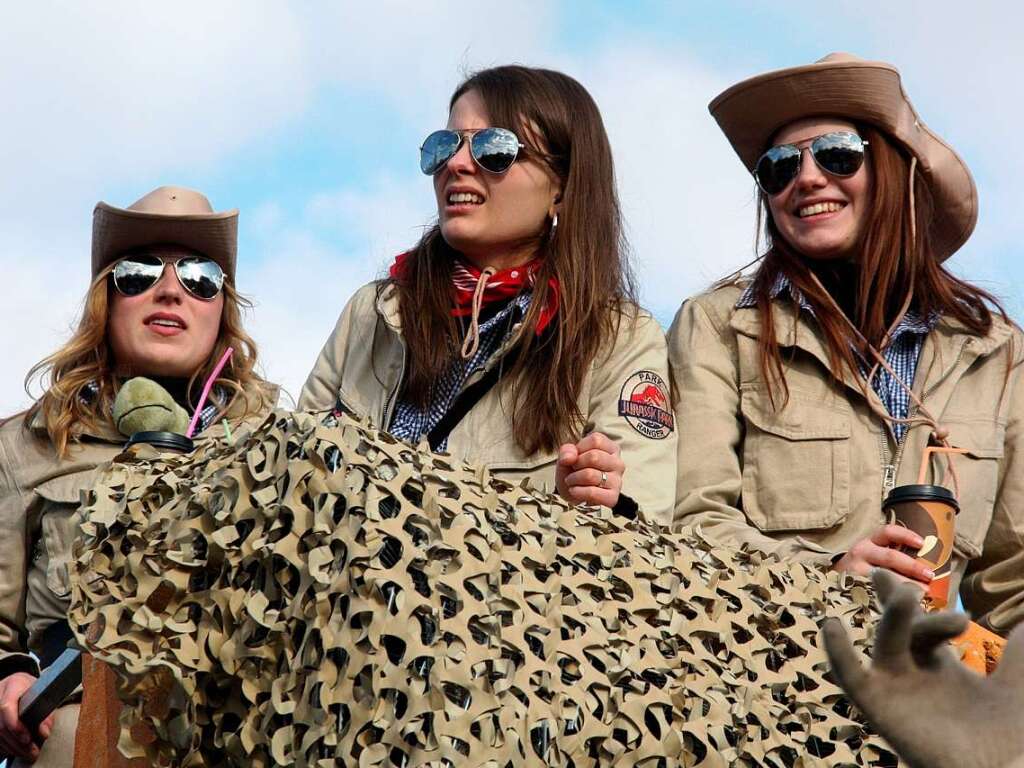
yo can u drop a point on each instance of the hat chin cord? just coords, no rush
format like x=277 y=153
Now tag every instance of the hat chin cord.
x=939 y=433
x=913 y=207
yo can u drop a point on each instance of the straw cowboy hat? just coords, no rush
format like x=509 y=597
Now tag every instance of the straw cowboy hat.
x=167 y=215
x=843 y=85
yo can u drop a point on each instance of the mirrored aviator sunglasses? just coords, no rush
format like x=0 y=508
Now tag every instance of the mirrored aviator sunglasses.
x=840 y=154
x=493 y=149
x=201 y=277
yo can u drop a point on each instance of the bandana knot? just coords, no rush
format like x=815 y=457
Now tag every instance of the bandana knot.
x=473 y=289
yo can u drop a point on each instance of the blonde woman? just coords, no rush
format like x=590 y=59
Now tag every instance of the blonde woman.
x=162 y=304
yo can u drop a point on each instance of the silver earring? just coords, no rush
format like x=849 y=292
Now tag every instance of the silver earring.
x=554 y=226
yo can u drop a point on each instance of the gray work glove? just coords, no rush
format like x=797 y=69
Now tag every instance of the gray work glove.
x=934 y=711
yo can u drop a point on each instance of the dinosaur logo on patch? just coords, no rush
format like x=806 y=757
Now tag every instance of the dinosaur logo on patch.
x=644 y=403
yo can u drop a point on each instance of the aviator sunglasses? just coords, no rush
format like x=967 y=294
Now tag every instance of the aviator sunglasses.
x=200 y=276
x=840 y=153
x=493 y=149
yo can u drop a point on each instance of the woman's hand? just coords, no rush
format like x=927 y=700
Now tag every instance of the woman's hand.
x=590 y=471
x=15 y=740
x=877 y=551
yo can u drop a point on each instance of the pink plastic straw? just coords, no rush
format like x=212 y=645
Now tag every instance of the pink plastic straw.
x=206 y=390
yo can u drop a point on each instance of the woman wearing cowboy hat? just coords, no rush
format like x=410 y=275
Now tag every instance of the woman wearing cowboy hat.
x=161 y=304
x=794 y=372
x=509 y=335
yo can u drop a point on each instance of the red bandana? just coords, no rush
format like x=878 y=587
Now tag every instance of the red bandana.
x=500 y=286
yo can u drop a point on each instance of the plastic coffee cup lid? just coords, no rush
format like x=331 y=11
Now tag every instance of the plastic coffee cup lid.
x=902 y=493
x=166 y=441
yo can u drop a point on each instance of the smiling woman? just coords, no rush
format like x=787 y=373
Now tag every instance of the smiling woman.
x=810 y=388
x=509 y=335
x=161 y=304
x=819 y=212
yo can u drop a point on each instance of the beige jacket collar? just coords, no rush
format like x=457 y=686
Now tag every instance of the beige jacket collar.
x=950 y=343
x=388 y=310
x=387 y=307
x=104 y=431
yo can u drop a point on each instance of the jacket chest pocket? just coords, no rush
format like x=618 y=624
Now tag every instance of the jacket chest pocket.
x=978 y=472
x=796 y=463
x=484 y=438
x=59 y=517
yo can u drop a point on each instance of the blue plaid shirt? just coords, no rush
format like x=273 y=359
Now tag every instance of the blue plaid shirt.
x=413 y=423
x=901 y=354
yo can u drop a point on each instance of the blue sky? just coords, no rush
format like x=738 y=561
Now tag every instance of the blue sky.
x=307 y=117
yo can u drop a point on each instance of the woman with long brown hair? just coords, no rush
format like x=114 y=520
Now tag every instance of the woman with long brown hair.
x=161 y=304
x=810 y=389
x=509 y=336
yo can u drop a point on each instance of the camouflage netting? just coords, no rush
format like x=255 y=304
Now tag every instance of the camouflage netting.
x=319 y=594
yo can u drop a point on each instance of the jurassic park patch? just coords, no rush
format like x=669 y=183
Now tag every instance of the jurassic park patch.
x=644 y=403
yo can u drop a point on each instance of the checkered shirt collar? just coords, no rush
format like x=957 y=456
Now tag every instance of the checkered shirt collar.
x=911 y=322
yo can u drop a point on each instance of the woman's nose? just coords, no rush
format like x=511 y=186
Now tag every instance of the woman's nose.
x=810 y=175
x=167 y=288
x=462 y=160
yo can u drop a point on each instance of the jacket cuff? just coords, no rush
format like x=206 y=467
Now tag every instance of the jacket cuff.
x=18 y=662
x=815 y=554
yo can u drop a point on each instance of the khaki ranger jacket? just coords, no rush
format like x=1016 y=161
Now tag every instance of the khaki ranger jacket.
x=40 y=496
x=807 y=482
x=626 y=396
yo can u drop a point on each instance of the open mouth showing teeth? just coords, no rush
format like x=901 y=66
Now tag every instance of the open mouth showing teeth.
x=455 y=198
x=813 y=210
x=166 y=323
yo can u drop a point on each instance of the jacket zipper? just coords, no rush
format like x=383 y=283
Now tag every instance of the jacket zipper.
x=890 y=467
x=497 y=358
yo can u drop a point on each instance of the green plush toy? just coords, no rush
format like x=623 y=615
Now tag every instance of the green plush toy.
x=142 y=405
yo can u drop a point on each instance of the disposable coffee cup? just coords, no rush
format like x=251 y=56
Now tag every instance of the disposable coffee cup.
x=163 y=441
x=929 y=511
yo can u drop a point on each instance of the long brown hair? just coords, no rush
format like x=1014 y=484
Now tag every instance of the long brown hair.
x=560 y=125
x=83 y=382
x=894 y=258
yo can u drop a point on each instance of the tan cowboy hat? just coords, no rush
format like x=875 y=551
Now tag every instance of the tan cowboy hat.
x=842 y=85
x=167 y=215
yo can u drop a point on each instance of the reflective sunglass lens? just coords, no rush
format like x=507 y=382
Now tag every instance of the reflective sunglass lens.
x=438 y=148
x=841 y=154
x=495 y=149
x=200 y=276
x=137 y=275
x=777 y=168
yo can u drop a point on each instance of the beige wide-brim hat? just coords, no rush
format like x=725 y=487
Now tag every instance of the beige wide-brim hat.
x=166 y=216
x=841 y=85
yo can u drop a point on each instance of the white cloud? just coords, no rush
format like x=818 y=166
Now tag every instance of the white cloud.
x=301 y=281
x=387 y=214
x=960 y=65
x=110 y=99
x=100 y=94
x=686 y=198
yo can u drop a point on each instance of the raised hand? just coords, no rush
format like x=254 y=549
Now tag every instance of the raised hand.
x=933 y=710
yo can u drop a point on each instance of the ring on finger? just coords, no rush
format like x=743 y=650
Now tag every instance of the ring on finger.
x=604 y=479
